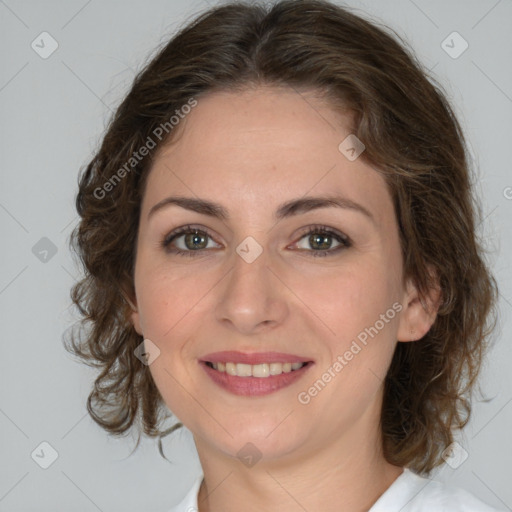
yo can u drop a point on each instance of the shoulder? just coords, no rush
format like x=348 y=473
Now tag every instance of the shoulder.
x=414 y=493
x=189 y=501
x=408 y=493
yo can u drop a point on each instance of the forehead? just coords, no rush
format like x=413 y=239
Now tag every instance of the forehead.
x=270 y=144
x=270 y=114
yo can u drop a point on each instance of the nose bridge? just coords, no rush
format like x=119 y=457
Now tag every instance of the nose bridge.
x=252 y=296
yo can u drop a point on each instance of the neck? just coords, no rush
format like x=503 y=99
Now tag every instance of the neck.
x=349 y=474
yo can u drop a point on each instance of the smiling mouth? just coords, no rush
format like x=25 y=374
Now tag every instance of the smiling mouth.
x=253 y=380
x=263 y=370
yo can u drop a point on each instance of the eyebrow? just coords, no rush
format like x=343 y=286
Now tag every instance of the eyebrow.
x=288 y=209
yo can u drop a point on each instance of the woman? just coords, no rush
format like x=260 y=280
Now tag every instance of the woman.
x=278 y=234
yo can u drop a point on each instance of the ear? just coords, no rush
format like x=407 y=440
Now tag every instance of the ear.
x=418 y=315
x=133 y=313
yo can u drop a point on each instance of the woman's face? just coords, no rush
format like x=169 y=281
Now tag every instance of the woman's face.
x=255 y=283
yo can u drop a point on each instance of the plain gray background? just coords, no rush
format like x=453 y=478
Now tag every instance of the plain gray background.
x=53 y=112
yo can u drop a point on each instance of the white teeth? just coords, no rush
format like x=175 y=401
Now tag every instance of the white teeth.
x=276 y=368
x=230 y=368
x=256 y=370
x=243 y=370
x=261 y=370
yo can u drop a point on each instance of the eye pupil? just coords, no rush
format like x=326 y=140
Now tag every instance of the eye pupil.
x=324 y=241
x=191 y=239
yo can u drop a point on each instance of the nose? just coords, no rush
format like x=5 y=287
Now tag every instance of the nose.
x=252 y=298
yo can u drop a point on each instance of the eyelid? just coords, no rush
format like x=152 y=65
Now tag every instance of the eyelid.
x=313 y=228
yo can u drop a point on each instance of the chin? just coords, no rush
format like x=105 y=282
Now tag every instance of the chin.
x=264 y=440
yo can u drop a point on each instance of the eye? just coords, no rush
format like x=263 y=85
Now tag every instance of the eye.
x=318 y=240
x=187 y=241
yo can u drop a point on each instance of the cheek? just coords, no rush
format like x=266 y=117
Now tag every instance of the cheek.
x=168 y=299
x=173 y=307
x=349 y=297
x=171 y=311
x=350 y=312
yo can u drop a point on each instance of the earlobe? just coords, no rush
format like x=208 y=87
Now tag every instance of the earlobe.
x=135 y=318
x=133 y=315
x=418 y=315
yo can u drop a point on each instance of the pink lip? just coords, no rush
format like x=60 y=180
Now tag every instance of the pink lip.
x=254 y=386
x=232 y=356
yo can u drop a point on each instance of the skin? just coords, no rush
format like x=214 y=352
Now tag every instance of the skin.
x=251 y=151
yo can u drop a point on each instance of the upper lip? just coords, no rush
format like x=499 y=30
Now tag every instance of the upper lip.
x=233 y=356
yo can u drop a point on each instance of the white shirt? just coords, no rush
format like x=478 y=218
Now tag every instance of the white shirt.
x=408 y=493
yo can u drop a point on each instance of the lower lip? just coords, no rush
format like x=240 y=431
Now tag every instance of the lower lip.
x=254 y=386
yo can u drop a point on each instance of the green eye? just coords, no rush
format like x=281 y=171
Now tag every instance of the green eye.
x=195 y=241
x=192 y=241
x=320 y=240
x=187 y=241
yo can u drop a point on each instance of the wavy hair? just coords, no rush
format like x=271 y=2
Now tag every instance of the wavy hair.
x=411 y=136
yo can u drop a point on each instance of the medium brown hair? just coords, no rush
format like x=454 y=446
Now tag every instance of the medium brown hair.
x=411 y=136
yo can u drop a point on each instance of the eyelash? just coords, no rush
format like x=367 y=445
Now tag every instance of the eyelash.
x=344 y=241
